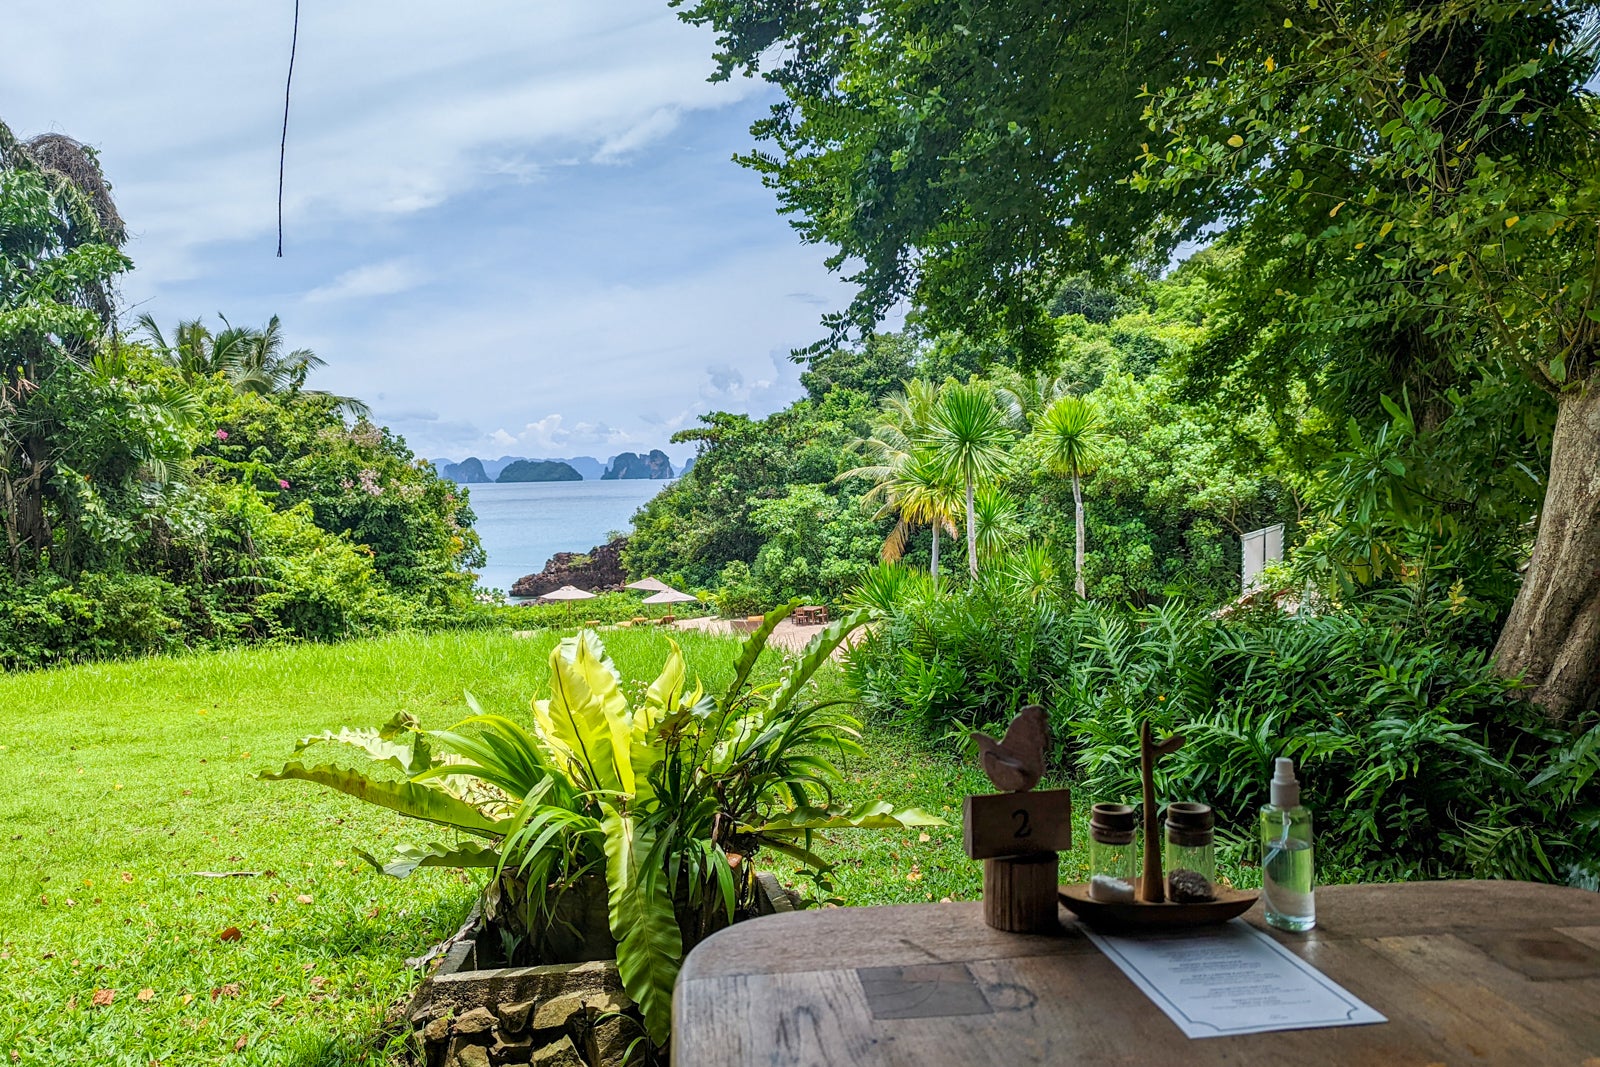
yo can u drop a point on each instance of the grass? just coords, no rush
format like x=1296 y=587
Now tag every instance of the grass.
x=120 y=783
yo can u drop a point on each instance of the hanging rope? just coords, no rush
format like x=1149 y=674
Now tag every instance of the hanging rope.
x=283 y=143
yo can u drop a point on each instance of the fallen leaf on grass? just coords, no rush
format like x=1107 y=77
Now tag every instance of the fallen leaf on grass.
x=229 y=874
x=239 y=1045
x=230 y=990
x=230 y=934
x=277 y=1001
x=127 y=876
x=104 y=997
x=303 y=898
x=146 y=994
x=318 y=981
x=187 y=997
x=375 y=912
x=924 y=838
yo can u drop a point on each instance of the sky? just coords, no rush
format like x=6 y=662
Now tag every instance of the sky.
x=511 y=227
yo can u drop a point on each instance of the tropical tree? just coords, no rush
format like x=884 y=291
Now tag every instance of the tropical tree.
x=969 y=441
x=1070 y=437
x=909 y=483
x=997 y=520
x=59 y=240
x=1026 y=395
x=252 y=359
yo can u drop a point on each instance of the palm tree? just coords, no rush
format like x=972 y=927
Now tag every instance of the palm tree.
x=1025 y=396
x=968 y=438
x=905 y=478
x=253 y=360
x=997 y=521
x=1070 y=436
x=926 y=499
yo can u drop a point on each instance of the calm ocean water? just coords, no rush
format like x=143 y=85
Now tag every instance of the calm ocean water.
x=525 y=523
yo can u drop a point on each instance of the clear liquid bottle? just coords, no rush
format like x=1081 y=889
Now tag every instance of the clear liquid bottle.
x=1288 y=874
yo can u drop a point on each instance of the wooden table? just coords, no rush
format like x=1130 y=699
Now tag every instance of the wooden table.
x=1467 y=972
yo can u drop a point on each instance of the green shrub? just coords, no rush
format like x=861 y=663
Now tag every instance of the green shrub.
x=101 y=616
x=1418 y=760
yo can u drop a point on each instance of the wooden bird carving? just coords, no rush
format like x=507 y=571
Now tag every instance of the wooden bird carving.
x=1016 y=763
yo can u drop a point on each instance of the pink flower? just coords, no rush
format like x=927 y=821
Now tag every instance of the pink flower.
x=222 y=435
x=282 y=484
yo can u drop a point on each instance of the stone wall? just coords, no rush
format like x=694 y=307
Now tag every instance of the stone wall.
x=567 y=1016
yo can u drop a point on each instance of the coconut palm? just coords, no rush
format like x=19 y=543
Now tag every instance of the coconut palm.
x=968 y=440
x=252 y=359
x=1070 y=437
x=906 y=480
x=1025 y=396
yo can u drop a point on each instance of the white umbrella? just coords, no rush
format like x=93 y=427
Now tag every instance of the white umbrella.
x=650 y=585
x=670 y=596
x=568 y=593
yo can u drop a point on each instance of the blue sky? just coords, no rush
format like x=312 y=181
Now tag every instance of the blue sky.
x=511 y=227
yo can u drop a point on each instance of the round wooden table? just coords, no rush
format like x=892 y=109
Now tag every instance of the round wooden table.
x=1466 y=972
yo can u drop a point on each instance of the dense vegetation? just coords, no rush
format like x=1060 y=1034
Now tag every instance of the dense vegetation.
x=158 y=494
x=1403 y=199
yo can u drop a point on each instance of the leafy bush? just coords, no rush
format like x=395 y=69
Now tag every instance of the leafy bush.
x=1417 y=759
x=51 y=620
x=668 y=795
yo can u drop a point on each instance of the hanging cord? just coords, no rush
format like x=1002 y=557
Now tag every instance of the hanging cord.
x=283 y=144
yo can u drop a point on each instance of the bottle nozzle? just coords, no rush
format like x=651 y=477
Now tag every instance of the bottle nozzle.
x=1285 y=788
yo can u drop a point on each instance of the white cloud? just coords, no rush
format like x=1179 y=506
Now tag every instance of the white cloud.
x=376 y=279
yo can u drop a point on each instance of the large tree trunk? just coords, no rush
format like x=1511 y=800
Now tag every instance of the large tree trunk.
x=1552 y=637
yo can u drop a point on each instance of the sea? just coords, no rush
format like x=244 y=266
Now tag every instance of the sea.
x=523 y=524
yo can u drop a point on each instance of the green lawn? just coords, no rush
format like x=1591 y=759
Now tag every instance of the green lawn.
x=119 y=782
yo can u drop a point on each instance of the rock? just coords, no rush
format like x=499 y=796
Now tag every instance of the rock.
x=607 y=1001
x=656 y=465
x=514 y=1017
x=435 y=1035
x=553 y=1014
x=464 y=1054
x=517 y=1050
x=608 y=1039
x=599 y=570
x=560 y=1053
x=477 y=1023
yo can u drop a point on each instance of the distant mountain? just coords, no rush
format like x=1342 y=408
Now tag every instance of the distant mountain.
x=538 y=470
x=654 y=466
x=493 y=467
x=587 y=466
x=688 y=465
x=468 y=472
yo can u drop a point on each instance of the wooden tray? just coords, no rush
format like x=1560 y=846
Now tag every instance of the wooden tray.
x=1141 y=916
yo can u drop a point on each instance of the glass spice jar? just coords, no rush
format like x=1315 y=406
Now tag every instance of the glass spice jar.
x=1190 y=855
x=1113 y=859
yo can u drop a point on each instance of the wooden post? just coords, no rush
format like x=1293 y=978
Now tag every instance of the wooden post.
x=1019 y=894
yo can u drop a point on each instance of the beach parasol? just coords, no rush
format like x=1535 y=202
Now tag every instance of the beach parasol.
x=649 y=585
x=568 y=593
x=670 y=595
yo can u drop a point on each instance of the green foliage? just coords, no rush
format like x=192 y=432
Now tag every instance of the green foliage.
x=656 y=792
x=1418 y=761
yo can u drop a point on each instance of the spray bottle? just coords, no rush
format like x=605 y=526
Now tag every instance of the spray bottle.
x=1288 y=875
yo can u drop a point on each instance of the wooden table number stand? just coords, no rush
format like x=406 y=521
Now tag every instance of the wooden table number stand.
x=1018 y=833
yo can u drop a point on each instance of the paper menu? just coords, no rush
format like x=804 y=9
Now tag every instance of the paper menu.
x=1232 y=979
